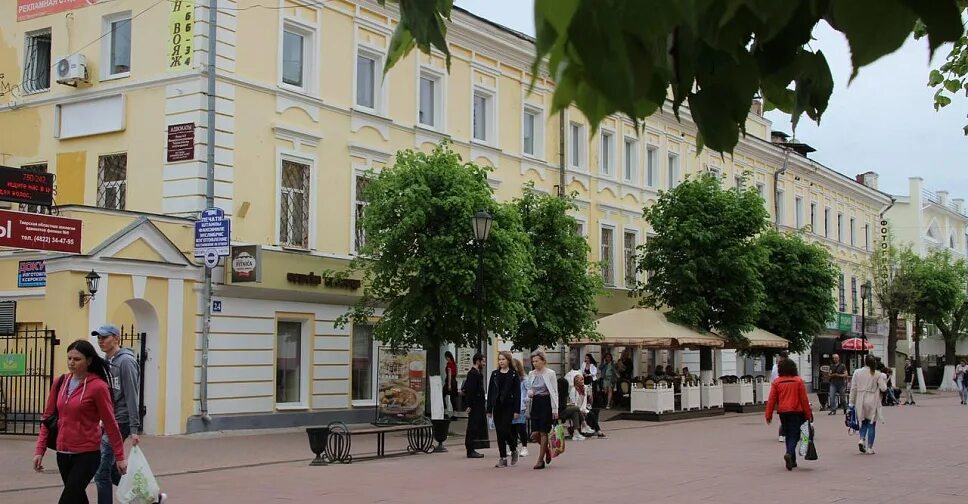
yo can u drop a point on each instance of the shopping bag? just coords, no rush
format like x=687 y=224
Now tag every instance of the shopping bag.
x=556 y=440
x=811 y=447
x=138 y=485
x=804 y=439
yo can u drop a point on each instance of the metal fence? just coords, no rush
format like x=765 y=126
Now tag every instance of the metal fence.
x=26 y=375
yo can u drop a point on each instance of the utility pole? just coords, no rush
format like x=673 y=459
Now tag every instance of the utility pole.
x=209 y=203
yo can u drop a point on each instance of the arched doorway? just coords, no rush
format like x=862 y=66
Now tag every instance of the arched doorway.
x=145 y=319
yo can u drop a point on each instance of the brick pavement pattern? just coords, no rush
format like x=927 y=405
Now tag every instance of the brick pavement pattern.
x=733 y=459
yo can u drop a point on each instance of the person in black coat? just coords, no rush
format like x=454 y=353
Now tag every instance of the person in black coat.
x=504 y=406
x=473 y=392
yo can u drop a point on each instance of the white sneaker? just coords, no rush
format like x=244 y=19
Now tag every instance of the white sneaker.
x=162 y=498
x=578 y=437
x=870 y=451
x=523 y=452
x=780 y=439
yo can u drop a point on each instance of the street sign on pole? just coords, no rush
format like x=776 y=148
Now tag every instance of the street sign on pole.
x=213 y=236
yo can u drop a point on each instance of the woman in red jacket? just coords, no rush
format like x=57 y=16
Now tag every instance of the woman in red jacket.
x=81 y=400
x=788 y=396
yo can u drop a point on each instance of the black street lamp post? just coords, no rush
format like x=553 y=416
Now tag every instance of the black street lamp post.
x=482 y=229
x=865 y=292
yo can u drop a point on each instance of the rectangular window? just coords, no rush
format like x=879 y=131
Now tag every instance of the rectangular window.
x=652 y=166
x=798 y=211
x=577 y=145
x=759 y=190
x=738 y=180
x=608 y=153
x=112 y=174
x=673 y=170
x=293 y=57
x=608 y=266
x=294 y=205
x=843 y=297
x=34 y=168
x=362 y=362
x=366 y=81
x=37 y=62
x=780 y=210
x=580 y=228
x=631 y=159
x=529 y=132
x=840 y=227
x=853 y=295
x=289 y=356
x=630 y=260
x=428 y=101
x=483 y=116
x=359 y=206
x=813 y=218
x=867 y=237
x=853 y=231
x=117 y=45
x=826 y=222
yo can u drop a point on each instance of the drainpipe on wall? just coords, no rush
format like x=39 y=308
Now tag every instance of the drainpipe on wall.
x=209 y=203
x=776 y=188
x=561 y=154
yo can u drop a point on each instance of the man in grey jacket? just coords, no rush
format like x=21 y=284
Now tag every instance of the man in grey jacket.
x=125 y=387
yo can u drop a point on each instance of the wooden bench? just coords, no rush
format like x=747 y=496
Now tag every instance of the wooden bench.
x=333 y=443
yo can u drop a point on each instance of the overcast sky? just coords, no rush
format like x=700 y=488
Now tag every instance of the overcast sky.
x=884 y=121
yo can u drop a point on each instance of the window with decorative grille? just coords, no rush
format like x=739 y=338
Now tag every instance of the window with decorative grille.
x=629 y=260
x=37 y=62
x=112 y=174
x=360 y=207
x=25 y=207
x=294 y=205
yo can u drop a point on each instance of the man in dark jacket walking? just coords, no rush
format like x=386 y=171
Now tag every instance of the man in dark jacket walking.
x=473 y=392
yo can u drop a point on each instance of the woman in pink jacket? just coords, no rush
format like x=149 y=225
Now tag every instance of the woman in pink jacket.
x=81 y=400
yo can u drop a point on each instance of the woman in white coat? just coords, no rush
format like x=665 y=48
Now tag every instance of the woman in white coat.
x=866 y=386
x=543 y=391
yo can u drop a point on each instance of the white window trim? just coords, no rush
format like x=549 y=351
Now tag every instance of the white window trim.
x=539 y=132
x=674 y=171
x=311 y=53
x=374 y=386
x=611 y=260
x=305 y=371
x=381 y=81
x=440 y=97
x=636 y=275
x=636 y=146
x=298 y=157
x=658 y=166
x=607 y=170
x=51 y=77
x=106 y=23
x=780 y=201
x=840 y=227
x=826 y=222
x=490 y=115
x=852 y=222
x=582 y=162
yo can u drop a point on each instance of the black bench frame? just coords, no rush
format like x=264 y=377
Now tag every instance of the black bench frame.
x=337 y=441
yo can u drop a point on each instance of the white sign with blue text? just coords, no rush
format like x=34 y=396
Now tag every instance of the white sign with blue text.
x=213 y=236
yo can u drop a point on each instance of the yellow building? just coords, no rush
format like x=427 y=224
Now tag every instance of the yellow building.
x=302 y=113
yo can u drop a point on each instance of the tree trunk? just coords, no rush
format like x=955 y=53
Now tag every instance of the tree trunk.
x=706 y=365
x=892 y=339
x=947 y=379
x=917 y=353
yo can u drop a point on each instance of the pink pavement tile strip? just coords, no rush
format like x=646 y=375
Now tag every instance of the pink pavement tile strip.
x=921 y=458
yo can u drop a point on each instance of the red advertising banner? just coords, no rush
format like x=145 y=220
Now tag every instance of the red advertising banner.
x=40 y=232
x=29 y=9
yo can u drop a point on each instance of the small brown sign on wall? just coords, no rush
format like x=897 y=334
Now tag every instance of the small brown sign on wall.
x=246 y=263
x=181 y=142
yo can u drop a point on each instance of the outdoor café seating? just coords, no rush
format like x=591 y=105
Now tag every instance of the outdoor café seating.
x=761 y=389
x=738 y=391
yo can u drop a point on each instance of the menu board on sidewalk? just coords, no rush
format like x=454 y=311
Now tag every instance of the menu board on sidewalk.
x=401 y=375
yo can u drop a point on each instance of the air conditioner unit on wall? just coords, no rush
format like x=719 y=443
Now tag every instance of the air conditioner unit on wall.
x=71 y=69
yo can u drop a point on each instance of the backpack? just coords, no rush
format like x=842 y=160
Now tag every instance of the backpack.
x=850 y=421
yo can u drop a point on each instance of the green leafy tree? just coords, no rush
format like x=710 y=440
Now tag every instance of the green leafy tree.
x=622 y=56
x=703 y=263
x=798 y=278
x=891 y=269
x=561 y=297
x=951 y=77
x=419 y=262
x=941 y=282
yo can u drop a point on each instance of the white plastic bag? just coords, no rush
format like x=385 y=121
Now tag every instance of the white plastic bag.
x=804 y=439
x=138 y=485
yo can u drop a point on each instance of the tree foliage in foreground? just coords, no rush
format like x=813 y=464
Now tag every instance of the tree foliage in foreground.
x=561 y=298
x=622 y=56
x=419 y=262
x=798 y=278
x=702 y=263
x=951 y=77
x=892 y=272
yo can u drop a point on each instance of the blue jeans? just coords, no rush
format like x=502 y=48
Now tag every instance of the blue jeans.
x=790 y=424
x=107 y=476
x=833 y=398
x=867 y=429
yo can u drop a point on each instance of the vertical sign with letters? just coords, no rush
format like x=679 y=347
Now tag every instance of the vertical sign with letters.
x=180 y=34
